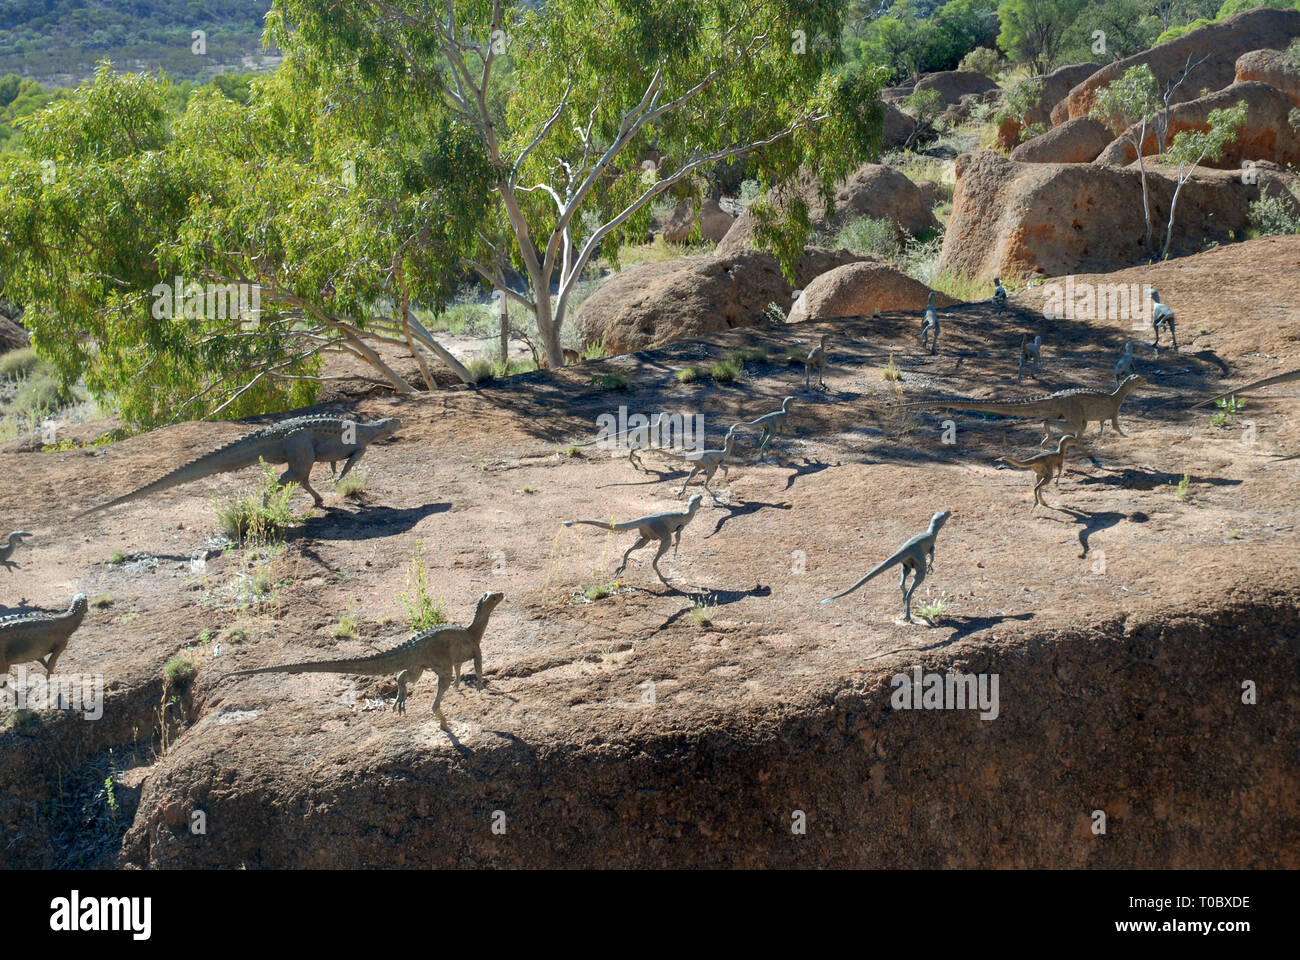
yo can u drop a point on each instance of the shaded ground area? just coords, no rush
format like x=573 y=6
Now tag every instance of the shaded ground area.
x=630 y=730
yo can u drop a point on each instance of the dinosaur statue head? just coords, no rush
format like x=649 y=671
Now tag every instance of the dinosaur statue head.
x=1151 y=292
x=939 y=519
x=488 y=602
x=17 y=536
x=78 y=603
x=1131 y=381
x=385 y=428
x=694 y=502
x=785 y=404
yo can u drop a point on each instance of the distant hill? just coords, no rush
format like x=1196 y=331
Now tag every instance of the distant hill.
x=57 y=42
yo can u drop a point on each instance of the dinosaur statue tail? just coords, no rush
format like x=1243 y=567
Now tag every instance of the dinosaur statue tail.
x=317 y=666
x=605 y=524
x=244 y=452
x=871 y=576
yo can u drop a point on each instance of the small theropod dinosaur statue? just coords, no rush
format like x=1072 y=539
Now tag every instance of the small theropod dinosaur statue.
x=441 y=649
x=1045 y=465
x=816 y=360
x=665 y=527
x=1161 y=316
x=300 y=443
x=930 y=324
x=706 y=462
x=42 y=637
x=912 y=556
x=999 y=297
x=1074 y=408
x=773 y=425
x=1031 y=351
x=15 y=539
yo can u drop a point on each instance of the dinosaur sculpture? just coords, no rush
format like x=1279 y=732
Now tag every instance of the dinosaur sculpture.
x=816 y=360
x=41 y=637
x=665 y=527
x=912 y=556
x=300 y=443
x=441 y=649
x=1161 y=316
x=999 y=297
x=930 y=324
x=1045 y=465
x=773 y=425
x=1124 y=365
x=15 y=539
x=1031 y=351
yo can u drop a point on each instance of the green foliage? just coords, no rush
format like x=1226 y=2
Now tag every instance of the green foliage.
x=609 y=381
x=1035 y=30
x=747 y=355
x=346 y=627
x=725 y=372
x=983 y=60
x=180 y=669
x=1271 y=214
x=869 y=235
x=354 y=484
x=19 y=363
x=261 y=516
x=909 y=43
x=692 y=374
x=1184 y=487
x=421 y=612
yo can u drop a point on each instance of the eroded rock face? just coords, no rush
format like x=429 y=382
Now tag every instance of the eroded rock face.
x=1053 y=87
x=955 y=84
x=1220 y=44
x=1049 y=219
x=861 y=289
x=653 y=304
x=873 y=190
x=12 y=336
x=1076 y=141
x=1267 y=133
x=1271 y=67
x=713 y=220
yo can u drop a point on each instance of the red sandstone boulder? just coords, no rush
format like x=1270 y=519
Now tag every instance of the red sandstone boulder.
x=861 y=289
x=714 y=222
x=1076 y=141
x=1271 y=67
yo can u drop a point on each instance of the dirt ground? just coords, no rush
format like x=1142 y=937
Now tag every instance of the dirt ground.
x=634 y=682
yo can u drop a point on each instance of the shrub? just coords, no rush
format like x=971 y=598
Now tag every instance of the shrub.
x=259 y=517
x=869 y=235
x=1269 y=215
x=421 y=611
x=18 y=363
x=981 y=60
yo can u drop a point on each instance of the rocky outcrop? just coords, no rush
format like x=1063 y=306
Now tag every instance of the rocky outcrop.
x=861 y=289
x=1267 y=133
x=714 y=222
x=653 y=304
x=1052 y=88
x=1271 y=67
x=12 y=336
x=1076 y=141
x=1048 y=219
x=1217 y=46
x=873 y=190
x=955 y=84
x=898 y=127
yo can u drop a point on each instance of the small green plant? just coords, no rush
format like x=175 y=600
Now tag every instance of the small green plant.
x=1184 y=487
x=747 y=355
x=353 y=485
x=421 y=611
x=385 y=620
x=610 y=381
x=1230 y=405
x=594 y=351
x=868 y=235
x=103 y=602
x=692 y=374
x=262 y=517
x=205 y=637
x=774 y=313
x=702 y=613
x=598 y=591
x=932 y=608
x=346 y=627
x=117 y=557
x=724 y=372
x=1233 y=534
x=110 y=796
x=19 y=363
x=891 y=371
x=572 y=450
x=527 y=489
x=180 y=669
x=237 y=635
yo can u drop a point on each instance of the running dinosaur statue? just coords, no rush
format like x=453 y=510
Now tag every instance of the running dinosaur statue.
x=1045 y=465
x=912 y=557
x=1161 y=316
x=1075 y=408
x=999 y=297
x=1247 y=388
x=300 y=443
x=15 y=539
x=773 y=425
x=816 y=360
x=706 y=462
x=1124 y=365
x=41 y=637
x=665 y=527
x=1031 y=351
x=930 y=324
x=441 y=649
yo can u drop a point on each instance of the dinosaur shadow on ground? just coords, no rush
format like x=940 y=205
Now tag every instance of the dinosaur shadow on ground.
x=743 y=510
x=964 y=627
x=806 y=469
x=1094 y=522
x=367 y=523
x=1138 y=478
x=715 y=598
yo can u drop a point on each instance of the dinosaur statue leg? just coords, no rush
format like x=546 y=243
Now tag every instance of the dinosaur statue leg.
x=1173 y=335
x=918 y=572
x=348 y=464
x=1038 y=491
x=298 y=454
x=641 y=541
x=455 y=669
x=49 y=661
x=443 y=683
x=677 y=541
x=1115 y=421
x=708 y=475
x=478 y=669
x=663 y=548
x=694 y=470
x=400 y=706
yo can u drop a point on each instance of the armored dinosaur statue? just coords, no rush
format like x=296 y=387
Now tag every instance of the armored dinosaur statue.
x=930 y=324
x=1045 y=465
x=1031 y=351
x=773 y=425
x=706 y=462
x=912 y=557
x=1161 y=316
x=1124 y=365
x=15 y=539
x=1247 y=388
x=664 y=527
x=1074 y=408
x=441 y=649
x=999 y=296
x=300 y=443
x=42 y=637
x=816 y=360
